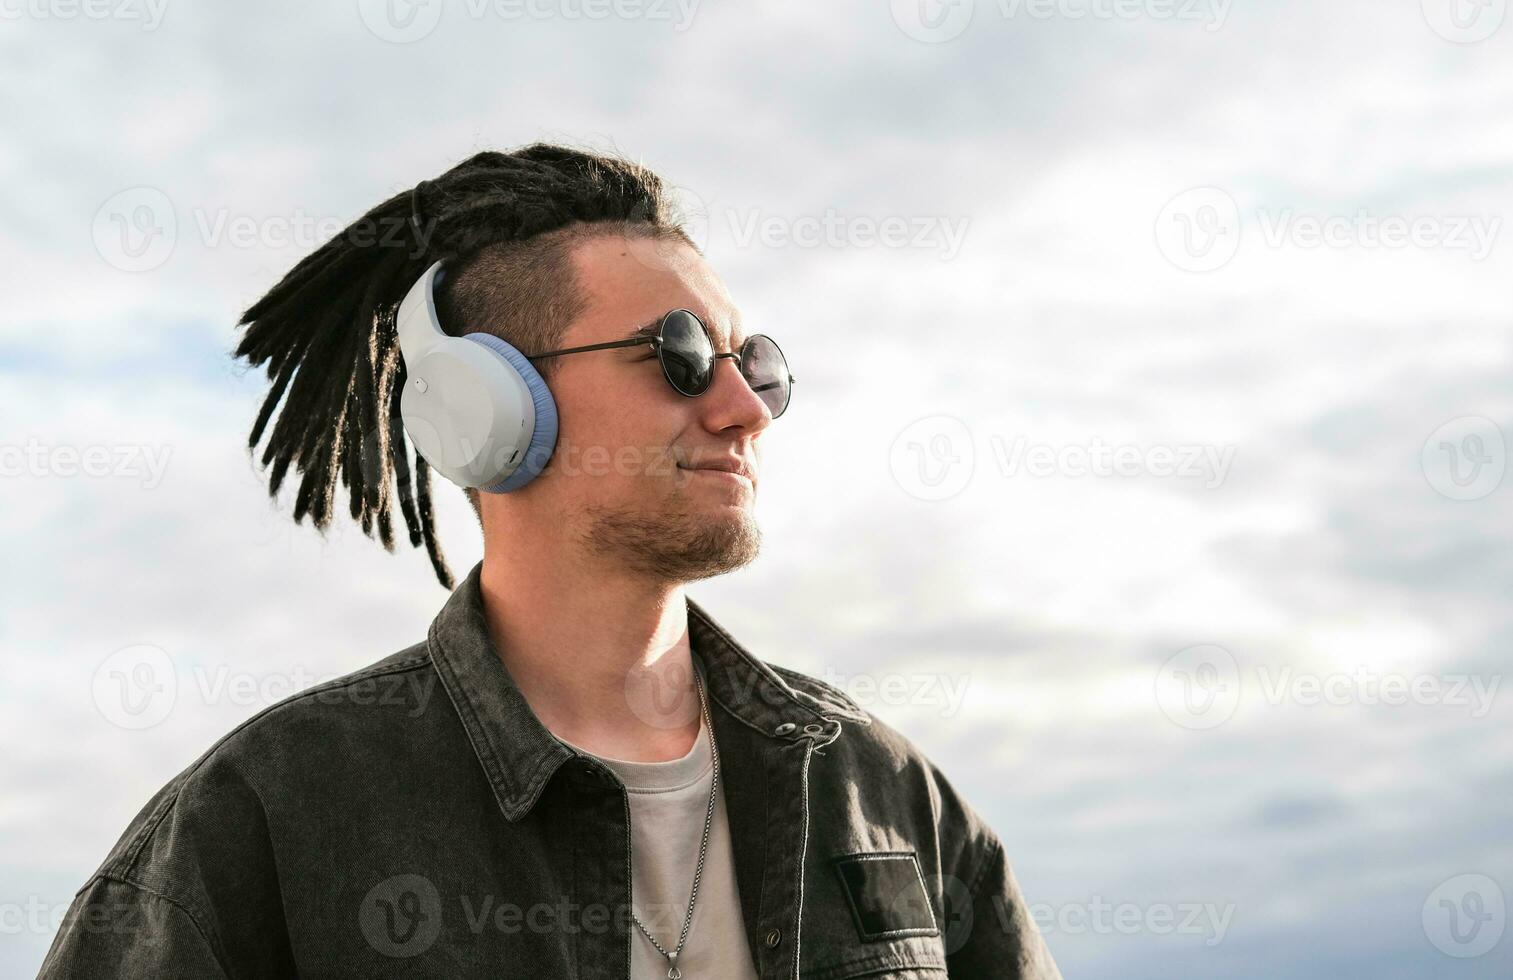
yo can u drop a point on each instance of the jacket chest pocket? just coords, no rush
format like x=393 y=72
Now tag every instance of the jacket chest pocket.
x=872 y=915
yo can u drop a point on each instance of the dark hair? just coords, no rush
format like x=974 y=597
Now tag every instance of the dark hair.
x=506 y=224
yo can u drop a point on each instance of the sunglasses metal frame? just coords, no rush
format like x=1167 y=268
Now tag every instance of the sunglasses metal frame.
x=656 y=342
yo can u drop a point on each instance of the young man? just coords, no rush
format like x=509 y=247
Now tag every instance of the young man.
x=578 y=773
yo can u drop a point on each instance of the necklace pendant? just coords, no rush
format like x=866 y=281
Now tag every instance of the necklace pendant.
x=673 y=973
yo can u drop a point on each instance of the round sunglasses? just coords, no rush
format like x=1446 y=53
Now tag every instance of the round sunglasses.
x=686 y=349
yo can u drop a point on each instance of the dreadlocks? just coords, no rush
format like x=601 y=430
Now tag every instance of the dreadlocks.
x=505 y=223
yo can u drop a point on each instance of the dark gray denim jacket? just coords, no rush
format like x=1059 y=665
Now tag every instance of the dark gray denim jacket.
x=415 y=819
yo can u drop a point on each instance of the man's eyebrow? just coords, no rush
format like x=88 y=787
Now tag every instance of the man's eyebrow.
x=646 y=331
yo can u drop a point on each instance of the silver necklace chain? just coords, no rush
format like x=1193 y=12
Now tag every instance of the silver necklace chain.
x=673 y=973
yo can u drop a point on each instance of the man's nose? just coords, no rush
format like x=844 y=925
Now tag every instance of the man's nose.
x=730 y=389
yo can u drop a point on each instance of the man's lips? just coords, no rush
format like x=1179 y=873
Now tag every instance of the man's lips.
x=729 y=464
x=721 y=474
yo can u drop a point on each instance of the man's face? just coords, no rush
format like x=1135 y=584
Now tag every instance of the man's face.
x=623 y=481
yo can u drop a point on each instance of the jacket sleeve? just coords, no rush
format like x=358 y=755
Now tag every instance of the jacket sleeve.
x=988 y=929
x=191 y=889
x=999 y=937
x=119 y=929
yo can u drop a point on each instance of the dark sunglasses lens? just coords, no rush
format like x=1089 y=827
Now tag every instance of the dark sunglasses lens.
x=687 y=357
x=767 y=372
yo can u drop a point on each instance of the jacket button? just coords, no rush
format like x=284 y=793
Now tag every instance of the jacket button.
x=773 y=937
x=783 y=729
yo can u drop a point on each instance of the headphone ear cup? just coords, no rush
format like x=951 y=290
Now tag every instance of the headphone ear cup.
x=544 y=434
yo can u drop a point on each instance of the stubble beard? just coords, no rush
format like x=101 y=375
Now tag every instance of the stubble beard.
x=680 y=542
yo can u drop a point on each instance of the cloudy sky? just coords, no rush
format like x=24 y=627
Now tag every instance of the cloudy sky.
x=1146 y=466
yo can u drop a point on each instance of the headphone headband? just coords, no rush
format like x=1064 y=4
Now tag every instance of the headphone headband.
x=416 y=225
x=417 y=324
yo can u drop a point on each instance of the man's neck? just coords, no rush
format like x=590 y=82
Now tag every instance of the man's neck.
x=603 y=660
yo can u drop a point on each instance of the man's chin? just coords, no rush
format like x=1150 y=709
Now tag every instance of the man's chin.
x=694 y=540
x=728 y=539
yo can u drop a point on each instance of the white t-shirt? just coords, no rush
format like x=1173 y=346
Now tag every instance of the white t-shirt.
x=668 y=801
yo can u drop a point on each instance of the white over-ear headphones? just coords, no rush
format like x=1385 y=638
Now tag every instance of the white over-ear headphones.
x=475 y=408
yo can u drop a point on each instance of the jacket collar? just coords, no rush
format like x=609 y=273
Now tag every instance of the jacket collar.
x=518 y=753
